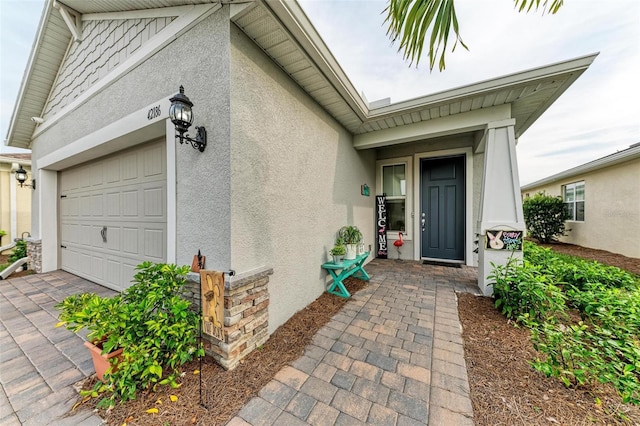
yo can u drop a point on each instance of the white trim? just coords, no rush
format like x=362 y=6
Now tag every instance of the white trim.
x=437 y=127
x=13 y=194
x=468 y=199
x=72 y=18
x=409 y=210
x=172 y=188
x=172 y=31
x=48 y=194
x=130 y=130
x=163 y=12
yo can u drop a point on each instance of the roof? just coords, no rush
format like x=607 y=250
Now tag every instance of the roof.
x=283 y=31
x=623 y=156
x=24 y=159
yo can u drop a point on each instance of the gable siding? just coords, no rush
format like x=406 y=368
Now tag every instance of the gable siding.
x=106 y=45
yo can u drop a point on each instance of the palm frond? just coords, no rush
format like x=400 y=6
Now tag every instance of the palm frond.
x=409 y=21
x=547 y=6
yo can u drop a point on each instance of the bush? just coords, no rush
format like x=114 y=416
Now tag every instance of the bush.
x=150 y=321
x=520 y=288
x=604 y=346
x=19 y=251
x=545 y=217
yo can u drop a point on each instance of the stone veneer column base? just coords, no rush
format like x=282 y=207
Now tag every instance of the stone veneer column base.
x=246 y=316
x=34 y=253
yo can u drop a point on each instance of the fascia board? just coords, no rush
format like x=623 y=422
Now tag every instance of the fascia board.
x=452 y=124
x=293 y=18
x=44 y=18
x=566 y=67
x=610 y=160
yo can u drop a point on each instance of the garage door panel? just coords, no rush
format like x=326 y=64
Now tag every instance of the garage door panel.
x=97 y=266
x=113 y=238
x=154 y=202
x=129 y=199
x=130 y=240
x=153 y=162
x=152 y=243
x=130 y=203
x=113 y=204
x=129 y=167
x=96 y=174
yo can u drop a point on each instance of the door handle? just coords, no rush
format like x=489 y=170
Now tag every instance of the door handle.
x=422 y=221
x=103 y=233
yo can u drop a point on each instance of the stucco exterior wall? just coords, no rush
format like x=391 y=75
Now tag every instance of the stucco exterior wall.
x=611 y=209
x=295 y=179
x=199 y=60
x=22 y=203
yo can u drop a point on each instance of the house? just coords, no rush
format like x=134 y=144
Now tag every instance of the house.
x=603 y=201
x=15 y=199
x=290 y=144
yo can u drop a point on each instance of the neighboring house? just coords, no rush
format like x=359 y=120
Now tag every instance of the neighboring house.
x=603 y=201
x=290 y=144
x=15 y=200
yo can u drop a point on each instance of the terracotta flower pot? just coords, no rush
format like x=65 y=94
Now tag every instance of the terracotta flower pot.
x=101 y=362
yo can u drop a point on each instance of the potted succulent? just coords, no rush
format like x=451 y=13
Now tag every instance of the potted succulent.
x=151 y=328
x=351 y=236
x=338 y=251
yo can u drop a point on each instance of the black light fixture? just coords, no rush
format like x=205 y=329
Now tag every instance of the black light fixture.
x=182 y=117
x=21 y=177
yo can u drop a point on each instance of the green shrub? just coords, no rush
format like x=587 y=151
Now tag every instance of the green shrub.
x=545 y=217
x=150 y=321
x=604 y=347
x=577 y=272
x=520 y=288
x=19 y=251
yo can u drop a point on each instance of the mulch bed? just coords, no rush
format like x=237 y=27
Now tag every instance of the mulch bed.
x=4 y=258
x=506 y=390
x=629 y=264
x=226 y=392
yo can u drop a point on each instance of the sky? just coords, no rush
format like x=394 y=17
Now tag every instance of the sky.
x=598 y=115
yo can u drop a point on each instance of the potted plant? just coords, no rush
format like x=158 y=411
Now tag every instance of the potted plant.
x=338 y=251
x=351 y=236
x=150 y=324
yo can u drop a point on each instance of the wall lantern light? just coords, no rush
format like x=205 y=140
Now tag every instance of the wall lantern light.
x=21 y=177
x=182 y=117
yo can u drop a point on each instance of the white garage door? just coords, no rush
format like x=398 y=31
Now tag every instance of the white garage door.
x=114 y=216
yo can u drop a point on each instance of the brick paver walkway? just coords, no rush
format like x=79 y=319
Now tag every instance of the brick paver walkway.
x=392 y=356
x=38 y=362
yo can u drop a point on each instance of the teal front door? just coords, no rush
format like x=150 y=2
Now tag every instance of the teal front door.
x=442 y=208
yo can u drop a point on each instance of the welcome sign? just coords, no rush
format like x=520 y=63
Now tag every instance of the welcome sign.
x=381 y=226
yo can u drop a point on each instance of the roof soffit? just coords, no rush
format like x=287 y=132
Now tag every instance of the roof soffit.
x=282 y=30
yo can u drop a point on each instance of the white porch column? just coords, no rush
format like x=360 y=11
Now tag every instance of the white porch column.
x=500 y=202
x=47 y=194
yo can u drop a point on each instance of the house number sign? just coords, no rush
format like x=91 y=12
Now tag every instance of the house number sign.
x=154 y=113
x=381 y=226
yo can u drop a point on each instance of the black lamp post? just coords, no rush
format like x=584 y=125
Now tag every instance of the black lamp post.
x=182 y=117
x=21 y=177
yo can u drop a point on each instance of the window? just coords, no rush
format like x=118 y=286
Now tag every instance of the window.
x=573 y=197
x=394 y=184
